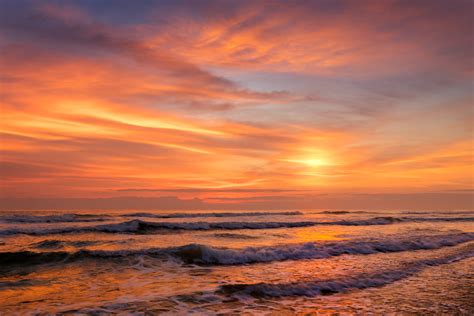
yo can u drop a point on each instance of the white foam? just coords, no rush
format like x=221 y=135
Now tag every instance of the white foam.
x=220 y=214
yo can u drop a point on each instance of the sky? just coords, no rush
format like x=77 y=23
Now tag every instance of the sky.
x=236 y=104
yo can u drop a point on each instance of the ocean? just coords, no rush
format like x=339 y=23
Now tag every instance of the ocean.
x=237 y=262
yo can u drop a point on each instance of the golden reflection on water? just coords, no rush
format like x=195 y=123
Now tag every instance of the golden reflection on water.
x=334 y=233
x=92 y=283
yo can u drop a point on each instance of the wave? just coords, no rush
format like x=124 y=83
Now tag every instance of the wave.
x=206 y=255
x=328 y=287
x=234 y=236
x=19 y=283
x=220 y=214
x=385 y=220
x=143 y=227
x=201 y=254
x=63 y=218
x=70 y=218
x=342 y=212
x=381 y=220
x=137 y=226
x=438 y=219
x=27 y=258
x=56 y=244
x=441 y=213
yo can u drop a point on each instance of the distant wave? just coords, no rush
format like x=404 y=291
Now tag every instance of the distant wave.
x=69 y=218
x=206 y=255
x=327 y=287
x=437 y=219
x=56 y=244
x=19 y=283
x=342 y=212
x=143 y=227
x=235 y=236
x=440 y=213
x=25 y=258
x=385 y=220
x=381 y=220
x=63 y=218
x=220 y=214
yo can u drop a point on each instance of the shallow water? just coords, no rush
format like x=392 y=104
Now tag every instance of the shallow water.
x=278 y=262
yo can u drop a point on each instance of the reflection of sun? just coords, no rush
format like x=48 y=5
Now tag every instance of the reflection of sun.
x=326 y=235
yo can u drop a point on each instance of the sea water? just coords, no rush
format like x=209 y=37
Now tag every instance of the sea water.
x=256 y=262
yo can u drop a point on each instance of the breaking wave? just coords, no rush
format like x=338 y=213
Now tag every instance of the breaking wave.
x=56 y=244
x=69 y=218
x=63 y=218
x=220 y=214
x=200 y=254
x=341 y=212
x=327 y=287
x=206 y=255
x=437 y=212
x=143 y=227
x=234 y=236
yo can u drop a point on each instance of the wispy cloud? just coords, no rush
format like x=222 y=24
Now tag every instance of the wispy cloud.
x=237 y=101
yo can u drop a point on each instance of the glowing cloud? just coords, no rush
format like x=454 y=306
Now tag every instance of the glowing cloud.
x=324 y=97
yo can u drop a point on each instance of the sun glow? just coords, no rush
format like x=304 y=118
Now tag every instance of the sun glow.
x=313 y=158
x=311 y=162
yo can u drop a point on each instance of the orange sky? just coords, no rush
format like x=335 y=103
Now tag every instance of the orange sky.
x=236 y=101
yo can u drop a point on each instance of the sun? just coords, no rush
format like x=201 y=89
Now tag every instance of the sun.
x=311 y=162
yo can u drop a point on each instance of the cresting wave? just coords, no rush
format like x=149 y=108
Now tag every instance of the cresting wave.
x=63 y=218
x=442 y=213
x=343 y=212
x=67 y=218
x=327 y=287
x=56 y=244
x=200 y=254
x=220 y=214
x=205 y=255
x=143 y=227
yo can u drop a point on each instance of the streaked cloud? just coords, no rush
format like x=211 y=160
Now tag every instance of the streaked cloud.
x=234 y=101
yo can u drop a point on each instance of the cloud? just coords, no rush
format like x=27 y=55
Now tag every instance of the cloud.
x=234 y=100
x=367 y=39
x=71 y=32
x=120 y=203
x=420 y=201
x=200 y=190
